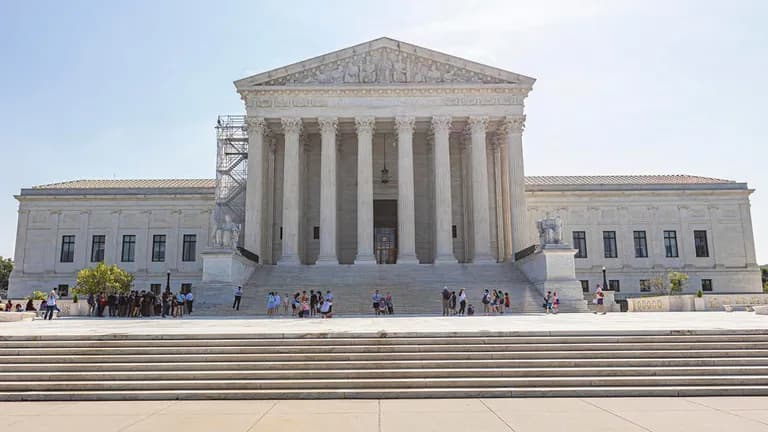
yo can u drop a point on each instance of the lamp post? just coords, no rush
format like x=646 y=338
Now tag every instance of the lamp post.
x=168 y=281
x=605 y=281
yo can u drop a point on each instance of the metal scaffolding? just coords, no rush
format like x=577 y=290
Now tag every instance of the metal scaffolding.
x=231 y=168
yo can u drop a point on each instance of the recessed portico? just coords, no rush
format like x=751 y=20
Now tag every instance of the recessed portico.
x=434 y=122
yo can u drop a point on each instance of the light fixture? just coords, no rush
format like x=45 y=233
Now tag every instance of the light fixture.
x=385 y=171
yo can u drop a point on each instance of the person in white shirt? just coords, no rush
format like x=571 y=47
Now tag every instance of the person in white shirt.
x=238 y=297
x=462 y=301
x=51 y=305
x=188 y=300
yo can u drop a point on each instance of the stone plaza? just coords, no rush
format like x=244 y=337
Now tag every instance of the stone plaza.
x=394 y=167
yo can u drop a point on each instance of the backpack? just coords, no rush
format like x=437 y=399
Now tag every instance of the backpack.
x=486 y=298
x=471 y=310
x=446 y=295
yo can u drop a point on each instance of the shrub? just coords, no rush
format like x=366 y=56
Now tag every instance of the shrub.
x=39 y=295
x=109 y=279
x=677 y=281
x=699 y=294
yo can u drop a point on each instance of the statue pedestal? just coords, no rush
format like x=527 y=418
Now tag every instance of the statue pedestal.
x=226 y=265
x=553 y=269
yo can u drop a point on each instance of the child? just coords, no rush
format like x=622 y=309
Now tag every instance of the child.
x=555 y=303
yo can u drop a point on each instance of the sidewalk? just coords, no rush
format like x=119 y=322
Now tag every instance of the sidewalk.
x=645 y=322
x=742 y=414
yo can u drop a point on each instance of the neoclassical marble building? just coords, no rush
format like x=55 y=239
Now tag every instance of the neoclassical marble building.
x=388 y=153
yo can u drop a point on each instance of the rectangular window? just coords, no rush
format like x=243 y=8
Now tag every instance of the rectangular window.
x=706 y=285
x=609 y=244
x=641 y=245
x=158 y=248
x=67 y=249
x=645 y=285
x=613 y=285
x=186 y=287
x=670 y=244
x=97 y=248
x=580 y=243
x=63 y=290
x=454 y=232
x=129 y=248
x=188 y=251
x=700 y=241
x=155 y=288
x=584 y=285
x=316 y=233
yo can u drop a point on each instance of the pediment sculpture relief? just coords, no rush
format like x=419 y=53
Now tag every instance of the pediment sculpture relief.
x=384 y=66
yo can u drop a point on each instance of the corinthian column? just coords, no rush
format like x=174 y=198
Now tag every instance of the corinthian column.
x=254 y=191
x=513 y=126
x=441 y=126
x=291 y=129
x=480 y=213
x=406 y=220
x=328 y=191
x=365 y=190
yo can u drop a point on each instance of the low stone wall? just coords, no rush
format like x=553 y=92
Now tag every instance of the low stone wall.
x=67 y=306
x=686 y=303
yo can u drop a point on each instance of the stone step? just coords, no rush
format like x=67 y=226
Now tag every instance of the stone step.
x=608 y=363
x=319 y=348
x=385 y=382
x=451 y=355
x=316 y=374
x=288 y=335
x=392 y=393
x=336 y=341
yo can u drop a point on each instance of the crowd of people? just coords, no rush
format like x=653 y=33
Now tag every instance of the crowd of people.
x=140 y=304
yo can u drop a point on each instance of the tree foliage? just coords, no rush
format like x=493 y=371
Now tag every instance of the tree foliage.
x=677 y=281
x=39 y=295
x=6 y=266
x=109 y=279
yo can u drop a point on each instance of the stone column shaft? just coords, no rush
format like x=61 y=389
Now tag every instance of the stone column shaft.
x=291 y=129
x=254 y=213
x=505 y=202
x=497 y=191
x=328 y=191
x=365 y=127
x=480 y=210
x=406 y=220
x=441 y=126
x=520 y=226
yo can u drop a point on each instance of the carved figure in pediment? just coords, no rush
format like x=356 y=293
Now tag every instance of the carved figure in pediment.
x=368 y=74
x=352 y=71
x=400 y=71
x=384 y=67
x=434 y=74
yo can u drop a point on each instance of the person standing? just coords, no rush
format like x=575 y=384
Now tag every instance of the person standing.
x=51 y=305
x=329 y=299
x=600 y=300
x=555 y=303
x=486 y=302
x=166 y=305
x=376 y=298
x=189 y=299
x=91 y=305
x=312 y=303
x=390 y=303
x=446 y=298
x=462 y=301
x=238 y=297
x=452 y=303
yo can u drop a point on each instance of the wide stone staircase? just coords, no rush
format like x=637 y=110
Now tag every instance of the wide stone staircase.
x=415 y=288
x=381 y=365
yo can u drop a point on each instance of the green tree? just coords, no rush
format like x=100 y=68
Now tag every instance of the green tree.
x=109 y=279
x=677 y=281
x=6 y=265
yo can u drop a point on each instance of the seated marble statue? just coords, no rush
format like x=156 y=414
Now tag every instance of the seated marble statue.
x=550 y=231
x=227 y=234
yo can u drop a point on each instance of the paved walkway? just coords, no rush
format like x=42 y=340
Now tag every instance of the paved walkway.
x=562 y=323
x=742 y=414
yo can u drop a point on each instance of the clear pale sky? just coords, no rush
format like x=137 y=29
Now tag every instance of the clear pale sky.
x=132 y=89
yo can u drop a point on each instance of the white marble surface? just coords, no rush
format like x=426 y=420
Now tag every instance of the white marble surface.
x=565 y=323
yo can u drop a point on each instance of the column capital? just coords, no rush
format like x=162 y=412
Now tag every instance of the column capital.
x=477 y=123
x=256 y=125
x=365 y=124
x=291 y=125
x=405 y=123
x=441 y=123
x=328 y=124
x=514 y=124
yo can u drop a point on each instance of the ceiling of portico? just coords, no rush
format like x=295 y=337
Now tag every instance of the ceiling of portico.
x=382 y=62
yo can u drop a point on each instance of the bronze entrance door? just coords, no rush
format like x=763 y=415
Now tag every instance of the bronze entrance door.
x=385 y=231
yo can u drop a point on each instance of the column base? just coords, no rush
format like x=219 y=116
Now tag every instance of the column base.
x=289 y=260
x=445 y=259
x=365 y=259
x=325 y=261
x=484 y=259
x=409 y=259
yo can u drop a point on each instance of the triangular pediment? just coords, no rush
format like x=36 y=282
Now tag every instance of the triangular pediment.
x=383 y=61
